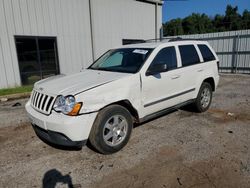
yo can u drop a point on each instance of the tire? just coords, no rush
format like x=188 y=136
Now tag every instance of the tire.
x=111 y=130
x=204 y=98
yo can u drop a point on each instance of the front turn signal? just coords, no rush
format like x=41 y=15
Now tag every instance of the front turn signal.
x=75 y=111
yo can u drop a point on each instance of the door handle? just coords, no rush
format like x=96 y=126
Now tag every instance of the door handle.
x=175 y=77
x=200 y=70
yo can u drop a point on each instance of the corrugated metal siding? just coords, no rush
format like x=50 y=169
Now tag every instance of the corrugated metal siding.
x=67 y=20
x=224 y=42
x=114 y=20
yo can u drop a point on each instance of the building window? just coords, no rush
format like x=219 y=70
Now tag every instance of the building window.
x=37 y=57
x=132 y=41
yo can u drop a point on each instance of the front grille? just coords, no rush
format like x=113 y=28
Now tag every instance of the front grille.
x=42 y=102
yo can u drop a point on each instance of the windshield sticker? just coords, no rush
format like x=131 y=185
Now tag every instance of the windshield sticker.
x=139 y=51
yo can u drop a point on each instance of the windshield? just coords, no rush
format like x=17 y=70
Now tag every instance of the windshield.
x=128 y=60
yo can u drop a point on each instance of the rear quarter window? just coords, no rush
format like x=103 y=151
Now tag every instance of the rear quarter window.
x=189 y=55
x=206 y=53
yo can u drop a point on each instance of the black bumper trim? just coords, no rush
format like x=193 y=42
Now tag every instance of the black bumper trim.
x=56 y=138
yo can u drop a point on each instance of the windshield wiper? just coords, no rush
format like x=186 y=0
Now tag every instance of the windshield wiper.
x=111 y=70
x=104 y=69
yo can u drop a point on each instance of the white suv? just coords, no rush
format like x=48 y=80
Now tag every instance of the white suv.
x=124 y=86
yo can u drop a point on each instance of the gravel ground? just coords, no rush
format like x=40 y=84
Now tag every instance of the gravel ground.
x=181 y=149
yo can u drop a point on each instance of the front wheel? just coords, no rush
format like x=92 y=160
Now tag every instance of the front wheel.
x=204 y=98
x=111 y=130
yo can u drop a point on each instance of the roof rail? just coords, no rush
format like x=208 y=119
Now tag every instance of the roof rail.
x=138 y=41
x=175 y=39
x=169 y=39
x=181 y=39
x=156 y=40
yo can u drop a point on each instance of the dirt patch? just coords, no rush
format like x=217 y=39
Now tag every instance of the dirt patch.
x=168 y=169
x=223 y=116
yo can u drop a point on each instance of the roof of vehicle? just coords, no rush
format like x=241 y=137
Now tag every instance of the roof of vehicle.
x=153 y=43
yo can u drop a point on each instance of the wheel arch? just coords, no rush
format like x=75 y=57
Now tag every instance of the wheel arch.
x=126 y=104
x=211 y=81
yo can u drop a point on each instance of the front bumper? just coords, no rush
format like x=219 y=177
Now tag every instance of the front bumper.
x=56 y=138
x=71 y=128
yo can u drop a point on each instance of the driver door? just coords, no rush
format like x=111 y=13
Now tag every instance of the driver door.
x=160 y=90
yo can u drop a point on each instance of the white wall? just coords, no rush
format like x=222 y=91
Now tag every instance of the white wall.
x=68 y=20
x=114 y=20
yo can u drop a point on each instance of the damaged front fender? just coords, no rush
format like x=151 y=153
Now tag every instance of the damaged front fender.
x=126 y=89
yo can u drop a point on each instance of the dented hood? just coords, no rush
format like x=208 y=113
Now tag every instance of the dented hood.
x=75 y=83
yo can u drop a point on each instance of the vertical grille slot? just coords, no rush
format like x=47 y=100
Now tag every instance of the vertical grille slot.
x=34 y=97
x=37 y=98
x=49 y=103
x=44 y=101
x=40 y=101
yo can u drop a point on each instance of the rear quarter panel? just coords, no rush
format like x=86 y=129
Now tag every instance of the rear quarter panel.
x=210 y=70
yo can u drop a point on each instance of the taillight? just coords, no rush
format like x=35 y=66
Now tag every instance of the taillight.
x=218 y=66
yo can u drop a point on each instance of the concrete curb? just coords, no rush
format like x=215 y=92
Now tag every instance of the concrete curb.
x=14 y=96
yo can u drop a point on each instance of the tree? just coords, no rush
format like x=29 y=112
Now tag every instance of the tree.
x=197 y=23
x=232 y=19
x=189 y=25
x=201 y=23
x=218 y=23
x=246 y=19
x=174 y=27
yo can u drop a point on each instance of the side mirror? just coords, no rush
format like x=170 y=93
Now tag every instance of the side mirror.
x=156 y=68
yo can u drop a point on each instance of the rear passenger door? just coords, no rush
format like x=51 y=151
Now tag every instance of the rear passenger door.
x=190 y=70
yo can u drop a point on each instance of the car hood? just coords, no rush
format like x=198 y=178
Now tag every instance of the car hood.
x=76 y=83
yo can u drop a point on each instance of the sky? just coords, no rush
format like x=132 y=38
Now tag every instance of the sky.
x=181 y=8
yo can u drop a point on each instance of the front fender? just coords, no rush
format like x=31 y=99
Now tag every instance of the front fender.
x=123 y=89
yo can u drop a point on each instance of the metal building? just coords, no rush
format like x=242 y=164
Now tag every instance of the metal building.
x=40 y=38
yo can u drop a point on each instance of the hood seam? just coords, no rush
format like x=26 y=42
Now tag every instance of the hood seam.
x=93 y=87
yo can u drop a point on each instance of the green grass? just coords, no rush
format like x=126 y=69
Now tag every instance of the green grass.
x=15 y=90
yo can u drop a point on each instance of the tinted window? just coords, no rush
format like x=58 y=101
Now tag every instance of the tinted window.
x=206 y=53
x=127 y=60
x=189 y=55
x=166 y=56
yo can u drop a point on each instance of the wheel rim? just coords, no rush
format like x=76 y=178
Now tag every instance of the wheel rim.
x=205 y=97
x=115 y=130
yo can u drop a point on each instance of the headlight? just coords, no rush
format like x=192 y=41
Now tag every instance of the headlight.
x=67 y=105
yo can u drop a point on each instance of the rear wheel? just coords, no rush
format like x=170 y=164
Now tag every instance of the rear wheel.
x=111 y=130
x=204 y=98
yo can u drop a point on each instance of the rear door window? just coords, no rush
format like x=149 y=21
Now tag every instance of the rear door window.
x=189 y=55
x=206 y=53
